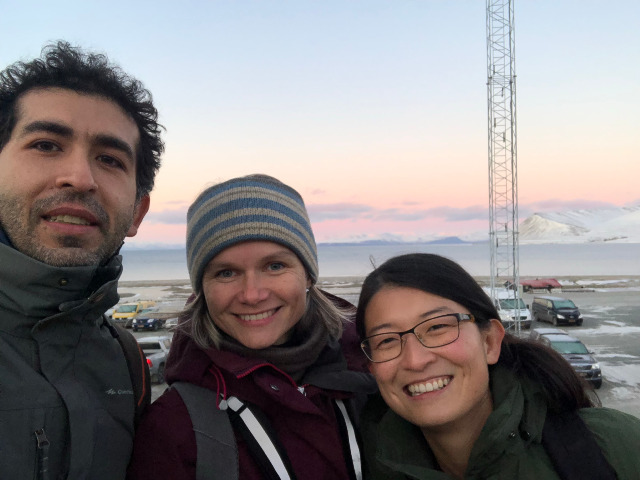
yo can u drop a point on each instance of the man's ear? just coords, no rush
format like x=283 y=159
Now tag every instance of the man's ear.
x=140 y=210
x=493 y=336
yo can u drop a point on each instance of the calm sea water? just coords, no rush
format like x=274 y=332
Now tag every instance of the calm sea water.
x=356 y=260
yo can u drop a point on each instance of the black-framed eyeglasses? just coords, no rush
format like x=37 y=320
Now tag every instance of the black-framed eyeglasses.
x=431 y=333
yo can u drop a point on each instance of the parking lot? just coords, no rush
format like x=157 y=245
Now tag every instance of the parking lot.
x=611 y=330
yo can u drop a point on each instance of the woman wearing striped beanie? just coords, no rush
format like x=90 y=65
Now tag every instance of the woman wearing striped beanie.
x=259 y=331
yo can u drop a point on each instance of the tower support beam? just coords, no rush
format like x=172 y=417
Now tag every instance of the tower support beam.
x=503 y=171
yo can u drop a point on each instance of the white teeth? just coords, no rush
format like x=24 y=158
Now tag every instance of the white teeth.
x=418 y=388
x=258 y=316
x=69 y=219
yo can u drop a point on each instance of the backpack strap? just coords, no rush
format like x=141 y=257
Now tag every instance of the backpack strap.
x=349 y=440
x=573 y=449
x=261 y=440
x=138 y=369
x=217 y=453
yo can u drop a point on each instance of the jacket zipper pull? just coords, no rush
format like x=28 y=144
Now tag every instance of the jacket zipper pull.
x=43 y=454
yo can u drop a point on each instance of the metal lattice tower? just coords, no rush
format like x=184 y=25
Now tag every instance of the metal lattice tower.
x=503 y=173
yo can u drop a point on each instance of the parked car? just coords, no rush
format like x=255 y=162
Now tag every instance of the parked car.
x=143 y=312
x=156 y=349
x=146 y=320
x=536 y=333
x=556 y=310
x=576 y=353
x=127 y=311
x=171 y=323
x=506 y=304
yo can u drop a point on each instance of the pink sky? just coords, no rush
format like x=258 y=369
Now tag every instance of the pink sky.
x=381 y=124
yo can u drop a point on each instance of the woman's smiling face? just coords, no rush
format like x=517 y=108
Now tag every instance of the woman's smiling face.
x=256 y=292
x=433 y=388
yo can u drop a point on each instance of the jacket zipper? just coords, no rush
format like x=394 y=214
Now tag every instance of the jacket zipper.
x=42 y=454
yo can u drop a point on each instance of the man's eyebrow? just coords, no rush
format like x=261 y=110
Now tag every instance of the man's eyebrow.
x=110 y=141
x=50 y=127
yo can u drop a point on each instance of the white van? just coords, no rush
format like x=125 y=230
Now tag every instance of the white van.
x=505 y=302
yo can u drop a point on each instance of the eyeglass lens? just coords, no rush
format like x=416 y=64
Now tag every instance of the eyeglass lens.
x=435 y=332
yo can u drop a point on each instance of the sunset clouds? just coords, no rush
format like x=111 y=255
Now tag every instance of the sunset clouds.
x=374 y=111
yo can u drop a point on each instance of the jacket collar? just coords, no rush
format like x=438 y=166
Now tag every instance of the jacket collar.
x=190 y=363
x=518 y=408
x=32 y=291
x=4 y=240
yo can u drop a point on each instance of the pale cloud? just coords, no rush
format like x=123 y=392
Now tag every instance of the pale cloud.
x=354 y=211
x=555 y=205
x=337 y=211
x=168 y=217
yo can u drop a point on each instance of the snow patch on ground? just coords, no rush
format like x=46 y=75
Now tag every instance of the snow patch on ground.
x=628 y=289
x=599 y=282
x=616 y=355
x=624 y=393
x=625 y=374
x=611 y=328
x=602 y=309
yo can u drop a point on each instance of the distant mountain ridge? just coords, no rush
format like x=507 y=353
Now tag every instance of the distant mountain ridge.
x=615 y=224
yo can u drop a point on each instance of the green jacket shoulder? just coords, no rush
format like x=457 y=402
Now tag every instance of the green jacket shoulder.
x=617 y=434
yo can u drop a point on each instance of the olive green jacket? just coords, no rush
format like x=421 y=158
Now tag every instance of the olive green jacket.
x=66 y=397
x=509 y=446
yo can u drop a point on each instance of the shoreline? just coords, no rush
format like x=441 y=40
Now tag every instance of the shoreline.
x=171 y=295
x=593 y=280
x=351 y=285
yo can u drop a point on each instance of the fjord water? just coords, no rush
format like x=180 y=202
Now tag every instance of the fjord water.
x=545 y=260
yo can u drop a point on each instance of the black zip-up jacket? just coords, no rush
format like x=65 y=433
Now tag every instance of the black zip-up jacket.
x=66 y=399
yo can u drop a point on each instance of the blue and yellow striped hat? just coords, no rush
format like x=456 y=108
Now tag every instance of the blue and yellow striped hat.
x=255 y=207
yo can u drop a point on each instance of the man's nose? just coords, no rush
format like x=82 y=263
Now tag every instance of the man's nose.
x=76 y=170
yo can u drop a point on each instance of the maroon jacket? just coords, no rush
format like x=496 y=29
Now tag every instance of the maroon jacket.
x=305 y=424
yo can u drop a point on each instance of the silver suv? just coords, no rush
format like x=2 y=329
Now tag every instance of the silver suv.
x=156 y=350
x=575 y=352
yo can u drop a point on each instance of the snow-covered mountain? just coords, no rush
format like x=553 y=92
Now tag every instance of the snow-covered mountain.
x=620 y=224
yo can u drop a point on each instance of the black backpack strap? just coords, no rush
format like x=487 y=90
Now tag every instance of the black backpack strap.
x=261 y=439
x=573 y=449
x=217 y=453
x=350 y=444
x=138 y=369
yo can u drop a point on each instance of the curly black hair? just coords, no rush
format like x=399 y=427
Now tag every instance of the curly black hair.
x=65 y=66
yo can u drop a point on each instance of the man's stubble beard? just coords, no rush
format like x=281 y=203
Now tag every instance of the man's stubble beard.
x=70 y=253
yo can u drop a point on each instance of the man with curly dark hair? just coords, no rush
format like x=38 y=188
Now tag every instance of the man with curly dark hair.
x=79 y=149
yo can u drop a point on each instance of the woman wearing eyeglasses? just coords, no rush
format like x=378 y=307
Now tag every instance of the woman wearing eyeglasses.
x=464 y=399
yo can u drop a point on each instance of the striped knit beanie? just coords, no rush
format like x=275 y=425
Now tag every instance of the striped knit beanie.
x=255 y=207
